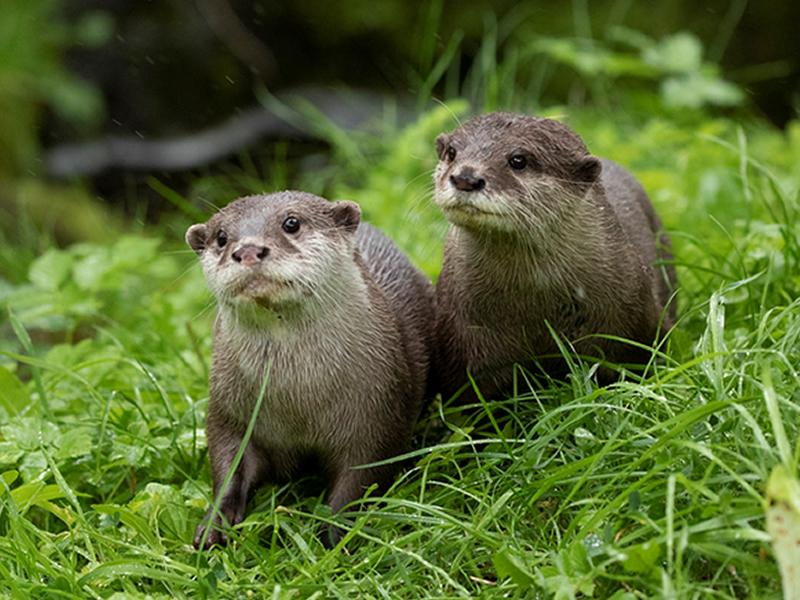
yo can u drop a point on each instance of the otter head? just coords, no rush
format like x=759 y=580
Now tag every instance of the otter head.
x=512 y=173
x=267 y=256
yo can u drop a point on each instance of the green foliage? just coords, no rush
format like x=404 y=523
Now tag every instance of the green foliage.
x=647 y=487
x=566 y=490
x=675 y=61
x=518 y=67
x=32 y=75
x=91 y=285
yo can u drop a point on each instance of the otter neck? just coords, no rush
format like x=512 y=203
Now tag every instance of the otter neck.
x=564 y=252
x=343 y=296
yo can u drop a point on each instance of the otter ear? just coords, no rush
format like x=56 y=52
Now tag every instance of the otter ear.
x=196 y=237
x=346 y=215
x=588 y=169
x=441 y=145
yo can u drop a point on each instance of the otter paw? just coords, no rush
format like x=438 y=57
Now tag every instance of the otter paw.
x=214 y=538
x=216 y=535
x=331 y=535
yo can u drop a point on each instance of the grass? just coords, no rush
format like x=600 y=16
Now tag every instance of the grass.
x=647 y=487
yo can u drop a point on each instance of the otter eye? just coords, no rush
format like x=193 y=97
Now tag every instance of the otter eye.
x=291 y=224
x=517 y=162
x=451 y=153
x=222 y=238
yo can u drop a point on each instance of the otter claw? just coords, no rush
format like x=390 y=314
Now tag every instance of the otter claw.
x=216 y=535
x=214 y=538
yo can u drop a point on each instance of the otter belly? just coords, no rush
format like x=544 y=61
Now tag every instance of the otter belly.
x=317 y=396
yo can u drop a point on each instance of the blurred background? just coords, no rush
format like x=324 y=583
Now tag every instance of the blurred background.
x=120 y=114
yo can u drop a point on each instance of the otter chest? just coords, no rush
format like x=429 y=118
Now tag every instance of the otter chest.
x=520 y=317
x=314 y=383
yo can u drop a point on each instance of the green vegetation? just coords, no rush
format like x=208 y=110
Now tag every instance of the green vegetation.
x=644 y=487
x=651 y=487
x=32 y=76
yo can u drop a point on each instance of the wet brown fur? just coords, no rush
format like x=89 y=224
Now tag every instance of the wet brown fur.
x=577 y=244
x=348 y=355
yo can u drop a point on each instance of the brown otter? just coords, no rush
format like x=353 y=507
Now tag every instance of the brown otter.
x=543 y=235
x=338 y=321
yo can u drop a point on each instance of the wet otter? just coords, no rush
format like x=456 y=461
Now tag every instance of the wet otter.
x=542 y=233
x=336 y=319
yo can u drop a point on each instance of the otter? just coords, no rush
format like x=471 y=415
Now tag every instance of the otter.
x=335 y=322
x=546 y=241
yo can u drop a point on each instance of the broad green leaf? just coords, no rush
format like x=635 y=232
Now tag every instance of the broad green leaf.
x=698 y=89
x=91 y=270
x=578 y=558
x=9 y=453
x=678 y=53
x=511 y=566
x=9 y=476
x=75 y=442
x=135 y=522
x=160 y=503
x=62 y=512
x=641 y=558
x=134 y=251
x=33 y=493
x=565 y=586
x=13 y=395
x=30 y=433
x=51 y=269
x=33 y=465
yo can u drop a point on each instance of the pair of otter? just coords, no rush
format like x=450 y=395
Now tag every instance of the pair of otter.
x=330 y=322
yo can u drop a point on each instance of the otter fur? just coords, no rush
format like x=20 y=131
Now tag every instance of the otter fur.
x=545 y=241
x=337 y=320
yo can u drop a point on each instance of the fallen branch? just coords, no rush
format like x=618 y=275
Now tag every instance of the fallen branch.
x=345 y=109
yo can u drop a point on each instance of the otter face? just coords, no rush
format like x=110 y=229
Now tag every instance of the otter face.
x=511 y=172
x=275 y=252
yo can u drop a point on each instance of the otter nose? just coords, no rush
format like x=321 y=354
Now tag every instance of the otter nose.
x=250 y=254
x=467 y=181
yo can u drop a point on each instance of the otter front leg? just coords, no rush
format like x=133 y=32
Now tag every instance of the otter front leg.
x=223 y=444
x=349 y=484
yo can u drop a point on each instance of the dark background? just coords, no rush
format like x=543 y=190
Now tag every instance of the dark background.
x=173 y=65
